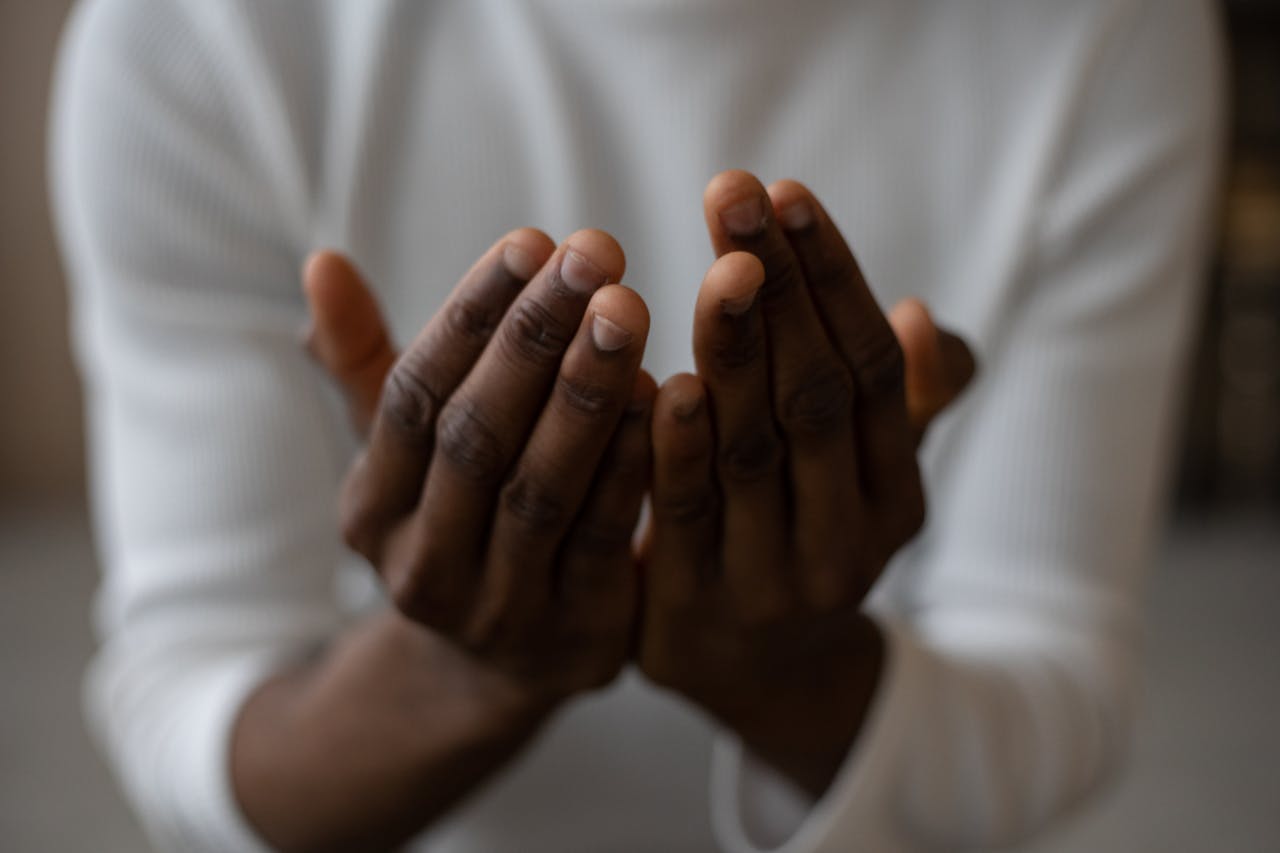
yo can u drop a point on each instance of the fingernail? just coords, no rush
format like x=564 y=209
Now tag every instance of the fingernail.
x=608 y=335
x=744 y=219
x=797 y=216
x=738 y=305
x=579 y=273
x=519 y=262
x=686 y=410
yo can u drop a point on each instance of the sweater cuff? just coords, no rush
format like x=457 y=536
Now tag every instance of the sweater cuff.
x=176 y=767
x=756 y=809
x=224 y=823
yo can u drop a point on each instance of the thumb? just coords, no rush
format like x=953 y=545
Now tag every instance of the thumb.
x=939 y=364
x=347 y=335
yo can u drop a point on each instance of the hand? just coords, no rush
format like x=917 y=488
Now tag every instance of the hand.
x=349 y=339
x=785 y=478
x=508 y=456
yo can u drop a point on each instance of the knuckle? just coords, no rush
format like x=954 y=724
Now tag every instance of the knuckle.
x=880 y=368
x=410 y=399
x=534 y=334
x=742 y=347
x=822 y=402
x=465 y=439
x=592 y=399
x=534 y=504
x=470 y=320
x=686 y=507
x=421 y=588
x=752 y=456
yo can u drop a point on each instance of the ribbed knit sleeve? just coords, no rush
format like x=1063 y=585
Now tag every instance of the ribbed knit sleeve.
x=1013 y=642
x=214 y=452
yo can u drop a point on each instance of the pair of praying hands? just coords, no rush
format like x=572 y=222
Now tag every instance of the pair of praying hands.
x=511 y=445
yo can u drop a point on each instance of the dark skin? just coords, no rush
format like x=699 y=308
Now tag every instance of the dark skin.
x=505 y=469
x=507 y=459
x=785 y=477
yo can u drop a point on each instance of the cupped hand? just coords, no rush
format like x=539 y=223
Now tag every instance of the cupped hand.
x=785 y=478
x=507 y=456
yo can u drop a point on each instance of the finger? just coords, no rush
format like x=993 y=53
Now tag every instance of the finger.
x=681 y=557
x=347 y=335
x=434 y=568
x=729 y=346
x=596 y=565
x=939 y=365
x=386 y=481
x=812 y=388
x=870 y=349
x=550 y=481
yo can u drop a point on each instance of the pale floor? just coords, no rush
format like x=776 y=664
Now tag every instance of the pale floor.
x=1205 y=774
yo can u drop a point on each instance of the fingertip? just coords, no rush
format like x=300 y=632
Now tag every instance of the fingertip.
x=732 y=283
x=621 y=307
x=315 y=270
x=734 y=274
x=307 y=272
x=681 y=399
x=913 y=324
x=787 y=191
x=919 y=308
x=735 y=202
x=682 y=430
x=794 y=206
x=346 y=323
x=330 y=280
x=731 y=186
x=683 y=382
x=601 y=250
x=525 y=251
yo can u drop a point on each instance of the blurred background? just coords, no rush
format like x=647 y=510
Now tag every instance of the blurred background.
x=1205 y=774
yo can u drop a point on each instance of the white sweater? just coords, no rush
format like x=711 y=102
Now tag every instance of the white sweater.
x=1039 y=172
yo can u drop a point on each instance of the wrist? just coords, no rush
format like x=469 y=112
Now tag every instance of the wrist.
x=473 y=701
x=372 y=741
x=805 y=722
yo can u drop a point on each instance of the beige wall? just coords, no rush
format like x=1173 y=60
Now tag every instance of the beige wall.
x=41 y=456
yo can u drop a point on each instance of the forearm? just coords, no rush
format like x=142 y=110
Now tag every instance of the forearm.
x=366 y=746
